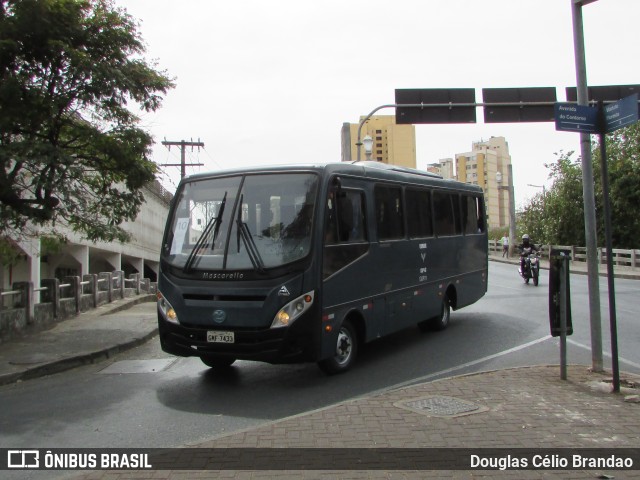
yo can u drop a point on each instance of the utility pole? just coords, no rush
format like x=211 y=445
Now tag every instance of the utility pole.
x=183 y=145
x=588 y=191
x=512 y=206
x=512 y=209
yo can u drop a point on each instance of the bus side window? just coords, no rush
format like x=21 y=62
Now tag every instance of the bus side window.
x=481 y=214
x=445 y=219
x=345 y=230
x=419 y=213
x=457 y=226
x=389 y=213
x=331 y=222
x=471 y=215
x=345 y=218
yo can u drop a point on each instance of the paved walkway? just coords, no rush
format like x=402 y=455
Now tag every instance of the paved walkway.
x=528 y=408
x=88 y=338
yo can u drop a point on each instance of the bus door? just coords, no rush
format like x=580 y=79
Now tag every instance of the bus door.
x=348 y=269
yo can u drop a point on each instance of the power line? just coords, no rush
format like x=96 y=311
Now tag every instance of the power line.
x=183 y=146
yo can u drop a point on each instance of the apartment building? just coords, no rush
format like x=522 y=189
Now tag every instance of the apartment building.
x=487 y=165
x=392 y=144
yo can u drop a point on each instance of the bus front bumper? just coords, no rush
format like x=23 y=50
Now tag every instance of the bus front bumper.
x=273 y=345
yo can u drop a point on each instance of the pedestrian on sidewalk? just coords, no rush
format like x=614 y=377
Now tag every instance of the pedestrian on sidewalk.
x=505 y=246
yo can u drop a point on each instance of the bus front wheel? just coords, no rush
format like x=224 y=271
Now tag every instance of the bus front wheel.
x=345 y=353
x=217 y=362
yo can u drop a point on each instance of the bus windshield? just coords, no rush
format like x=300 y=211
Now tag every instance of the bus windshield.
x=242 y=222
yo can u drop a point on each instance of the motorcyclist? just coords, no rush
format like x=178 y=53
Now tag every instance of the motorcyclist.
x=526 y=248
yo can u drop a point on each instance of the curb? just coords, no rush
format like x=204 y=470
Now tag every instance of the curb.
x=64 y=364
x=130 y=302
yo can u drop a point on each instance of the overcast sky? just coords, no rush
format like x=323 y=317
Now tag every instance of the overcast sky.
x=262 y=82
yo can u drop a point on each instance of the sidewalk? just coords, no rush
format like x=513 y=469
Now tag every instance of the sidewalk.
x=90 y=337
x=529 y=407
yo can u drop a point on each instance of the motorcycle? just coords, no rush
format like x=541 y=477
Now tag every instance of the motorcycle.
x=531 y=266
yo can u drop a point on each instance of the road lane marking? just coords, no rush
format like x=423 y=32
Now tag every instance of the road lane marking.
x=620 y=359
x=446 y=371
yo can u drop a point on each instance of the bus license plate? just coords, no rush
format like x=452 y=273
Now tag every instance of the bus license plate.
x=220 y=337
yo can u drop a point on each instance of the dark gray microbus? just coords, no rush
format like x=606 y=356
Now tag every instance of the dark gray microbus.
x=304 y=263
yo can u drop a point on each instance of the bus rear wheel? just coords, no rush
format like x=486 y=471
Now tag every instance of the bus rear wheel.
x=217 y=362
x=345 y=353
x=441 y=321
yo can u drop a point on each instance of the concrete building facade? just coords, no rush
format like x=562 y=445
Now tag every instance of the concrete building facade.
x=392 y=144
x=80 y=257
x=487 y=165
x=444 y=168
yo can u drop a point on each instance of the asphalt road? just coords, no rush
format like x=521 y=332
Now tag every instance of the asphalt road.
x=145 y=398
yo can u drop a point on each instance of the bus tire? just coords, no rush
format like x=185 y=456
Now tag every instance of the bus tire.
x=217 y=362
x=441 y=321
x=346 y=351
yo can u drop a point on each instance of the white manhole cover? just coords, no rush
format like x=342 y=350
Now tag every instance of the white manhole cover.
x=441 y=406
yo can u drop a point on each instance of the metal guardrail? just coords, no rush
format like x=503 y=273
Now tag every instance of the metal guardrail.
x=621 y=257
x=11 y=292
x=8 y=293
x=24 y=305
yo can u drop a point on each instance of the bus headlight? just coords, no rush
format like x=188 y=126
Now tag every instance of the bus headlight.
x=166 y=309
x=292 y=310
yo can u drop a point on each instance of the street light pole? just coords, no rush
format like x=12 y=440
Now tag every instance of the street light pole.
x=362 y=122
x=588 y=191
x=512 y=209
x=512 y=206
x=368 y=146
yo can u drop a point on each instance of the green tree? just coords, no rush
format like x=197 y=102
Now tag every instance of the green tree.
x=71 y=151
x=623 y=165
x=558 y=218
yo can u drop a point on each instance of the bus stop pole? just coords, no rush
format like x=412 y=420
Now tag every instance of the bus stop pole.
x=564 y=267
x=588 y=191
x=613 y=323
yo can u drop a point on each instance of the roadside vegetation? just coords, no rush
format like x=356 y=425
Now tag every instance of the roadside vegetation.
x=72 y=153
x=557 y=218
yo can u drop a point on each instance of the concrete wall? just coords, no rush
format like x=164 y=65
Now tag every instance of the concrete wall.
x=21 y=313
x=81 y=257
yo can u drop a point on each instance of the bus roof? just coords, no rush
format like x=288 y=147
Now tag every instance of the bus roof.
x=371 y=169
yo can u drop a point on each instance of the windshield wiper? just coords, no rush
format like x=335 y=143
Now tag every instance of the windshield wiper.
x=249 y=243
x=201 y=243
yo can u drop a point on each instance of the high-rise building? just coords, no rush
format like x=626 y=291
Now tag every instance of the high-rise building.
x=392 y=144
x=487 y=165
x=444 y=168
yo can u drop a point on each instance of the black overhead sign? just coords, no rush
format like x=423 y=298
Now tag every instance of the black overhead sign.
x=606 y=93
x=436 y=105
x=512 y=105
